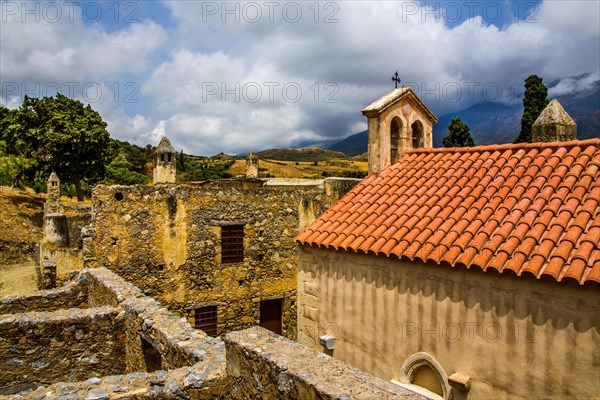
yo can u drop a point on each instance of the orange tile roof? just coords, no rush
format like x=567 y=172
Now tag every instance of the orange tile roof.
x=527 y=208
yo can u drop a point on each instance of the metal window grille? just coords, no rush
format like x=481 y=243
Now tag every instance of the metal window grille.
x=232 y=243
x=206 y=320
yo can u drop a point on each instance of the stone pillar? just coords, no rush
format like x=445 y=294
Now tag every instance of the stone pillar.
x=87 y=235
x=46 y=275
x=553 y=125
x=374 y=146
x=55 y=232
x=52 y=205
x=251 y=166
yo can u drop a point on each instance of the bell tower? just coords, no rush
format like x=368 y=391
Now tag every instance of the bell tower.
x=397 y=122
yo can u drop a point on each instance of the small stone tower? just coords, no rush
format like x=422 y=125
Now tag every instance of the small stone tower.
x=553 y=125
x=164 y=162
x=55 y=221
x=397 y=122
x=52 y=204
x=251 y=166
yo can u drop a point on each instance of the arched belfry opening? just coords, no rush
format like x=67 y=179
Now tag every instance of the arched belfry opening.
x=417 y=135
x=393 y=122
x=395 y=145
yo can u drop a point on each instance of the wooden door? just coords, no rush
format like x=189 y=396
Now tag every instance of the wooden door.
x=270 y=315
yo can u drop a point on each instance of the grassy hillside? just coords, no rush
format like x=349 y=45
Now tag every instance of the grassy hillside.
x=304 y=169
x=309 y=154
x=21 y=214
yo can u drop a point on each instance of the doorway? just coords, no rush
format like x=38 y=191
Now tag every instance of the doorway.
x=270 y=315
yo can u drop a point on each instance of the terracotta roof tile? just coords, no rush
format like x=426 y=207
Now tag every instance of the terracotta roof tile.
x=526 y=208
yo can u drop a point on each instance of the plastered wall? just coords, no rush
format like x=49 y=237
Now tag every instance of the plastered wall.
x=515 y=337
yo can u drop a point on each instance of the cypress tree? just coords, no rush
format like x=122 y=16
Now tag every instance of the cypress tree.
x=534 y=102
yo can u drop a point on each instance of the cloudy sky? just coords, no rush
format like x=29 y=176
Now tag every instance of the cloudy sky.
x=232 y=76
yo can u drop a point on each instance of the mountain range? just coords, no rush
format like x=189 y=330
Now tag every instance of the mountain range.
x=496 y=123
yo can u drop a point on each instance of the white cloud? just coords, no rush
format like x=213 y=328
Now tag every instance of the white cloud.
x=573 y=85
x=203 y=91
x=70 y=51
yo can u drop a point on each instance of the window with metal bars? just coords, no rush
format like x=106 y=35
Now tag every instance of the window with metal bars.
x=232 y=243
x=205 y=319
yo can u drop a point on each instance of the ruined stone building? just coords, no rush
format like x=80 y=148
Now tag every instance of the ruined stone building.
x=220 y=253
x=463 y=272
x=452 y=273
x=98 y=337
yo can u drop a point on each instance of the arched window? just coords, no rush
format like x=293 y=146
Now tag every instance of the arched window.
x=424 y=371
x=395 y=140
x=425 y=377
x=417 y=135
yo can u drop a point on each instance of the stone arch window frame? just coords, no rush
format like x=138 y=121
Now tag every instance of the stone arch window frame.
x=421 y=127
x=396 y=118
x=422 y=359
x=385 y=139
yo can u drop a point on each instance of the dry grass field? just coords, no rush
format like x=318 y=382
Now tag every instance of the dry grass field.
x=304 y=169
x=21 y=214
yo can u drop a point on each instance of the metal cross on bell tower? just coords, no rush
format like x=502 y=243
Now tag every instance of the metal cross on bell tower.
x=396 y=79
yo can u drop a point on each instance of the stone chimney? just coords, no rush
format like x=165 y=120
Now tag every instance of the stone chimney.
x=165 y=162
x=52 y=205
x=553 y=125
x=56 y=232
x=251 y=166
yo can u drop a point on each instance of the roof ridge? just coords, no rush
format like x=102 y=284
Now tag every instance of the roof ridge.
x=508 y=146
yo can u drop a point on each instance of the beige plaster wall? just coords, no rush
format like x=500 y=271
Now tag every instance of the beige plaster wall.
x=515 y=337
x=164 y=173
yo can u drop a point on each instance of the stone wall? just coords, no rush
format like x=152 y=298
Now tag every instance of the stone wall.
x=267 y=366
x=66 y=259
x=124 y=333
x=202 y=381
x=66 y=345
x=502 y=335
x=39 y=348
x=167 y=241
x=78 y=216
x=72 y=295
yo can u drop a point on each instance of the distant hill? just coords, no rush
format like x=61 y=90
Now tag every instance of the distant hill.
x=490 y=123
x=352 y=145
x=306 y=154
x=496 y=123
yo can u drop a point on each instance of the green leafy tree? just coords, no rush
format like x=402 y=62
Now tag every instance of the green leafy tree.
x=62 y=135
x=460 y=134
x=534 y=102
x=17 y=163
x=181 y=162
x=120 y=172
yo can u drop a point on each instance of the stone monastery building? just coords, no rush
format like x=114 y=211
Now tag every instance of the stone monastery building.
x=465 y=272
